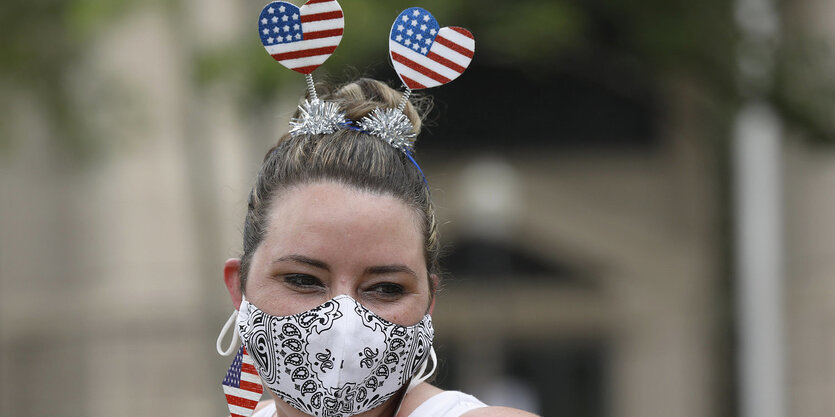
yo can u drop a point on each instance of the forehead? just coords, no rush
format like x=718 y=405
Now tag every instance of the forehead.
x=327 y=217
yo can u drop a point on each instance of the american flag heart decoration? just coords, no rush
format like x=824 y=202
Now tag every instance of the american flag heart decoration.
x=301 y=38
x=426 y=55
x=242 y=385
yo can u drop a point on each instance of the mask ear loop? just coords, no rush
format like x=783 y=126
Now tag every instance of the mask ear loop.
x=234 y=342
x=420 y=377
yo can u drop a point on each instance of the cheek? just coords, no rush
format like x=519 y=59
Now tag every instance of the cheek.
x=406 y=312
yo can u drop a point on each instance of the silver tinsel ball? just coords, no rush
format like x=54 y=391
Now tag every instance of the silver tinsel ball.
x=392 y=126
x=317 y=117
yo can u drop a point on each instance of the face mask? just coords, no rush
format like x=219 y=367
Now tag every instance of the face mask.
x=338 y=359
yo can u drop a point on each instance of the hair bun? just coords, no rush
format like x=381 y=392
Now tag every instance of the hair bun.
x=361 y=97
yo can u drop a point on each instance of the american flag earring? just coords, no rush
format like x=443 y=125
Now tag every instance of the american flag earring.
x=242 y=385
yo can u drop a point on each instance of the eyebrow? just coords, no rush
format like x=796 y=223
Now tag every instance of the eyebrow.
x=390 y=269
x=305 y=260
x=372 y=270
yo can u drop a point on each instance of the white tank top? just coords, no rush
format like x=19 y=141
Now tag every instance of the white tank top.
x=445 y=404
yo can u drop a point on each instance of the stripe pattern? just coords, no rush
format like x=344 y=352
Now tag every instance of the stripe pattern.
x=301 y=38
x=426 y=55
x=242 y=385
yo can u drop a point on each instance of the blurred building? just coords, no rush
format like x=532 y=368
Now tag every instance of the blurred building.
x=588 y=261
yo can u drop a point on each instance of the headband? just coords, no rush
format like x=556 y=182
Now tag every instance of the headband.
x=422 y=53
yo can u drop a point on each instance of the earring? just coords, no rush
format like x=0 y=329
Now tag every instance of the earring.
x=242 y=385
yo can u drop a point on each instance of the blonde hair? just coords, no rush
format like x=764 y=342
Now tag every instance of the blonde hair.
x=348 y=157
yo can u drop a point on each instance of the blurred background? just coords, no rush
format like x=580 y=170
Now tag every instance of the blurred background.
x=637 y=199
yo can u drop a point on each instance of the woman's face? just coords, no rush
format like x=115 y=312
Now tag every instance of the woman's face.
x=326 y=239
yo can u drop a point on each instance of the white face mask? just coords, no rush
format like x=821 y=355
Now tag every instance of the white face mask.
x=338 y=359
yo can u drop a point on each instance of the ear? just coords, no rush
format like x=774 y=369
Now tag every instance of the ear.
x=435 y=283
x=232 y=279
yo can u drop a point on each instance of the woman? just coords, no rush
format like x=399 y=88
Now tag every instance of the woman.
x=339 y=272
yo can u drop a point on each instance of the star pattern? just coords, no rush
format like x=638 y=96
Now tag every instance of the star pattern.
x=416 y=30
x=280 y=24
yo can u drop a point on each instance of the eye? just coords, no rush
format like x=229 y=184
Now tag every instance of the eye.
x=387 y=290
x=303 y=282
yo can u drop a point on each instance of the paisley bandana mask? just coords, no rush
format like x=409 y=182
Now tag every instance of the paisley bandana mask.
x=338 y=359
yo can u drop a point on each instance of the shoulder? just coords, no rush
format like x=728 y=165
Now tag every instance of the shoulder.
x=497 y=412
x=427 y=400
x=262 y=406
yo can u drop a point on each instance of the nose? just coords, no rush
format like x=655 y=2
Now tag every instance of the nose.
x=344 y=286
